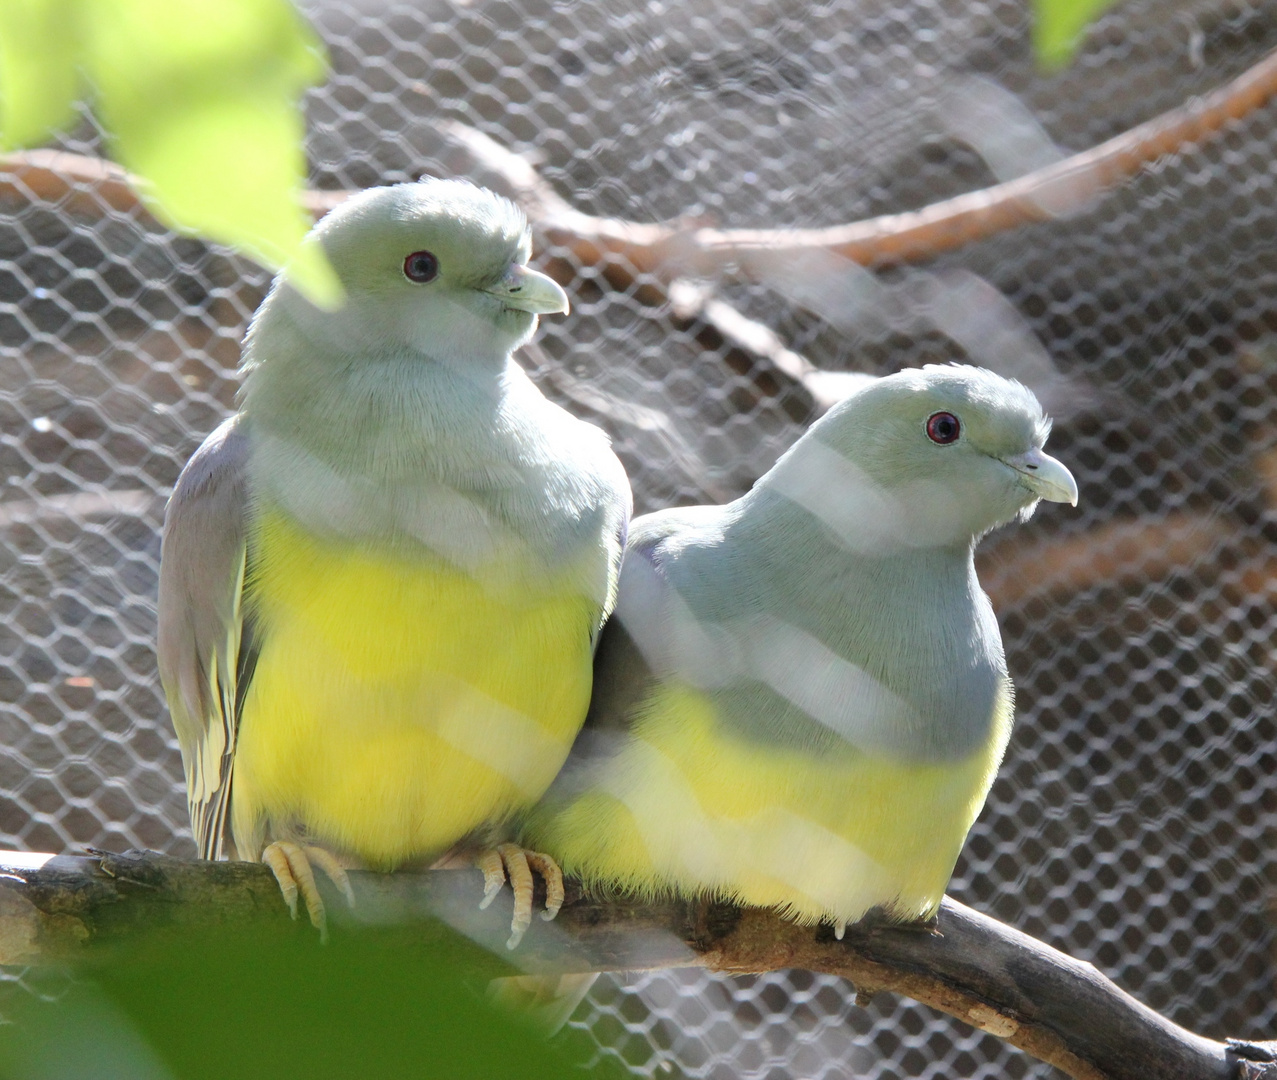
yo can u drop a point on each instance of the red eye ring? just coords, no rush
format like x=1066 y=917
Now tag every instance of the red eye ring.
x=420 y=267
x=943 y=428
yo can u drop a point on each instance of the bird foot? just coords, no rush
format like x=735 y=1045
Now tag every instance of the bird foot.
x=516 y=863
x=291 y=864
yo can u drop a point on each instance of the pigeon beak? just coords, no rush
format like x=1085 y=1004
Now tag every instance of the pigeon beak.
x=530 y=290
x=1047 y=478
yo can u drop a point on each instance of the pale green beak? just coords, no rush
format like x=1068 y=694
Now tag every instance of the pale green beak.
x=530 y=290
x=1046 y=477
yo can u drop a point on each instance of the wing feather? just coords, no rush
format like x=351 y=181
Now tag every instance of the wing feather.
x=206 y=651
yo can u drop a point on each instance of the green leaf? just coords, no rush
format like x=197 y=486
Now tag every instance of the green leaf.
x=1058 y=28
x=200 y=100
x=39 y=83
x=235 y=1003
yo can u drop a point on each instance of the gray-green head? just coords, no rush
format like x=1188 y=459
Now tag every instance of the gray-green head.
x=437 y=268
x=925 y=458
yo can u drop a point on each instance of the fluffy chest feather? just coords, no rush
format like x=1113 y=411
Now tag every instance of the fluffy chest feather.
x=802 y=642
x=687 y=806
x=400 y=450
x=398 y=701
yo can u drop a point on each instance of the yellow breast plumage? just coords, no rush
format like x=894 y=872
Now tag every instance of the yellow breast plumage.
x=397 y=703
x=688 y=806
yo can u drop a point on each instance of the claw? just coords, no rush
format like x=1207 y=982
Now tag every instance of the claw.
x=493 y=876
x=275 y=857
x=291 y=865
x=335 y=872
x=513 y=862
x=553 y=877
x=520 y=874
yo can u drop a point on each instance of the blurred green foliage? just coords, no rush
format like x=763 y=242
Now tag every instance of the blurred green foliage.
x=1058 y=27
x=239 y=1004
x=200 y=100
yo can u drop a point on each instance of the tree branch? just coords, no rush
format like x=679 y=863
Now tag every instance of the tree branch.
x=63 y=908
x=646 y=258
x=1117 y=553
x=691 y=301
x=625 y=251
x=1058 y=190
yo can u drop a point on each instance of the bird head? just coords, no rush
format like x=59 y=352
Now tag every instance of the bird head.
x=926 y=457
x=436 y=267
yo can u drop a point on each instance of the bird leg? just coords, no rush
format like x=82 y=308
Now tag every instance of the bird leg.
x=516 y=863
x=291 y=865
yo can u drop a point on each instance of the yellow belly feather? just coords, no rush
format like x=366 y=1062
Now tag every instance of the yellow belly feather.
x=688 y=808
x=397 y=703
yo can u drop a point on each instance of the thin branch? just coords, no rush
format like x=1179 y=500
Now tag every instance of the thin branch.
x=1062 y=1011
x=78 y=506
x=1058 y=190
x=1117 y=553
x=691 y=301
x=625 y=251
x=85 y=185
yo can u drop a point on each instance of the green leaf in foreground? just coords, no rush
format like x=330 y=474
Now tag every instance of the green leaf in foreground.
x=1058 y=27
x=39 y=82
x=200 y=101
x=374 y=1003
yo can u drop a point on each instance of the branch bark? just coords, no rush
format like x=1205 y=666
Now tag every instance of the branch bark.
x=60 y=909
x=640 y=256
x=628 y=251
x=1116 y=553
x=646 y=259
x=691 y=301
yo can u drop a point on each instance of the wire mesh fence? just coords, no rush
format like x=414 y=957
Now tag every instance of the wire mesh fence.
x=1132 y=823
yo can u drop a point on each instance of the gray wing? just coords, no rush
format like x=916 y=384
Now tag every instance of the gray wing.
x=622 y=670
x=623 y=660
x=206 y=654
x=619 y=509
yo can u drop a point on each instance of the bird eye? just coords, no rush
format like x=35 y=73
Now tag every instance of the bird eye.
x=421 y=266
x=943 y=428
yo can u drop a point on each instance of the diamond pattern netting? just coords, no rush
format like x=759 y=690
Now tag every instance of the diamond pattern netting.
x=1132 y=823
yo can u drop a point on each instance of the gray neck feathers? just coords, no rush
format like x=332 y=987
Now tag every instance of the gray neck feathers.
x=385 y=445
x=374 y=408
x=814 y=644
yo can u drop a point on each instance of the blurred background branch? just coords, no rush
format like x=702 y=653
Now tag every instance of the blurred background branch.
x=633 y=253
x=641 y=256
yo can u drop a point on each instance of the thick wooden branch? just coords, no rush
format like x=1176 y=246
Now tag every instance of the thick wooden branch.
x=60 y=909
